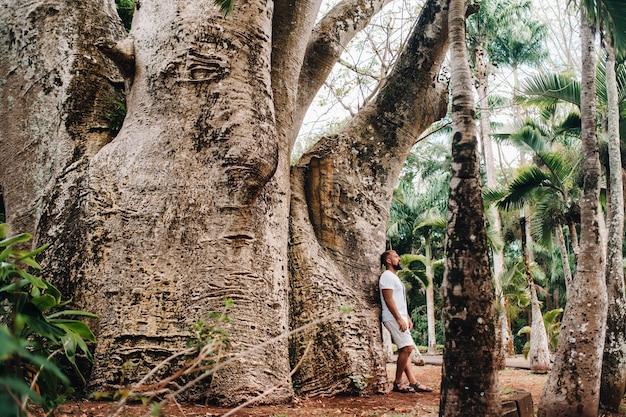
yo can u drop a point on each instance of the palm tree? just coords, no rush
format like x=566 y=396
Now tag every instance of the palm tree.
x=552 y=189
x=469 y=384
x=515 y=289
x=574 y=384
x=613 y=374
x=549 y=187
x=427 y=225
x=494 y=37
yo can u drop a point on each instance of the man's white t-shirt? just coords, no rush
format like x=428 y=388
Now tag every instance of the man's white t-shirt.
x=390 y=281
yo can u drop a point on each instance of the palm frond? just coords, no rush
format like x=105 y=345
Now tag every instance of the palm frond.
x=528 y=179
x=493 y=195
x=431 y=218
x=494 y=235
x=548 y=89
x=569 y=126
x=226 y=6
x=558 y=167
x=529 y=138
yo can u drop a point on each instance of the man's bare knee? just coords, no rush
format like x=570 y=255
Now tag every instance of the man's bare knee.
x=407 y=349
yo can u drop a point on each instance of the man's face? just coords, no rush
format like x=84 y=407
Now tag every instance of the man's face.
x=395 y=261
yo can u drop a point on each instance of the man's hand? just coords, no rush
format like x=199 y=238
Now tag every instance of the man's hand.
x=403 y=325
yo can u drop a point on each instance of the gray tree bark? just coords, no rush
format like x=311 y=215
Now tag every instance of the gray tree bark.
x=192 y=201
x=469 y=383
x=503 y=330
x=55 y=93
x=573 y=387
x=341 y=194
x=613 y=382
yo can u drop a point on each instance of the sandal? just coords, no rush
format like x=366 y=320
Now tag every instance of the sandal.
x=417 y=387
x=403 y=389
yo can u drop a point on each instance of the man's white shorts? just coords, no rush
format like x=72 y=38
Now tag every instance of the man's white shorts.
x=401 y=339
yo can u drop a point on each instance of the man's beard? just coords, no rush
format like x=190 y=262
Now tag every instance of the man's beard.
x=398 y=267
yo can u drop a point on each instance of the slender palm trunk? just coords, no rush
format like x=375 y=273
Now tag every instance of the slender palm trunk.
x=573 y=387
x=539 y=353
x=469 y=384
x=430 y=312
x=613 y=380
x=503 y=329
x=567 y=270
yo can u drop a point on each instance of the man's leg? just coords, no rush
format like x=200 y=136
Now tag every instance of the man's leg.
x=413 y=383
x=403 y=366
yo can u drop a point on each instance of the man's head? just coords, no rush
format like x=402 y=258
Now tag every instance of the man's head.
x=390 y=260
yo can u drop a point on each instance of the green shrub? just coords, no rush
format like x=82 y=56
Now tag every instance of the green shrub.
x=553 y=327
x=37 y=332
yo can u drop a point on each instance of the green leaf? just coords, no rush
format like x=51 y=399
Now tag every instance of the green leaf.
x=226 y=6
x=32 y=254
x=76 y=326
x=40 y=325
x=21 y=238
x=5 y=229
x=14 y=286
x=44 y=302
x=30 y=262
x=5 y=253
x=34 y=280
x=73 y=313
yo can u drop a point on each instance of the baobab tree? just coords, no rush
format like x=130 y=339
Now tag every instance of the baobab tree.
x=194 y=200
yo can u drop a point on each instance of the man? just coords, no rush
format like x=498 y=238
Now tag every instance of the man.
x=396 y=319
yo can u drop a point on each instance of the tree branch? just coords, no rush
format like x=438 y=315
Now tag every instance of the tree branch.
x=328 y=41
x=122 y=54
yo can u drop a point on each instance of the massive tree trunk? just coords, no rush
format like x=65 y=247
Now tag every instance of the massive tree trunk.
x=469 y=383
x=191 y=202
x=341 y=195
x=613 y=381
x=182 y=207
x=55 y=94
x=573 y=387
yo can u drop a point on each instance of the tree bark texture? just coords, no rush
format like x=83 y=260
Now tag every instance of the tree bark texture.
x=469 y=383
x=503 y=333
x=573 y=387
x=341 y=195
x=186 y=190
x=56 y=91
x=191 y=202
x=539 y=351
x=613 y=381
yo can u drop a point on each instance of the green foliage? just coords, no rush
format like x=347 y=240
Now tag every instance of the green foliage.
x=205 y=334
x=226 y=6
x=35 y=327
x=125 y=9
x=420 y=327
x=116 y=117
x=360 y=381
x=553 y=327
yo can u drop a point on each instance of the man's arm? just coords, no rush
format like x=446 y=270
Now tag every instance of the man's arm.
x=393 y=309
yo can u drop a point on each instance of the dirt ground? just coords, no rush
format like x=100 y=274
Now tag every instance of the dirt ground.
x=389 y=405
